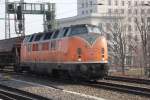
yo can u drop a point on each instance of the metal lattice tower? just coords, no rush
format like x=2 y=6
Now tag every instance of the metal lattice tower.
x=19 y=22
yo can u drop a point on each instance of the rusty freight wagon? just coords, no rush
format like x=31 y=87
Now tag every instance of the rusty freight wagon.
x=10 y=51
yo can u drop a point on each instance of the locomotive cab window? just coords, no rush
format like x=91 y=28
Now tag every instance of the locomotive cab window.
x=93 y=29
x=31 y=39
x=38 y=37
x=55 y=34
x=47 y=36
x=76 y=30
x=65 y=31
x=26 y=39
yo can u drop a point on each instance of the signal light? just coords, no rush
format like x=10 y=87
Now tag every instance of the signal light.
x=19 y=13
x=49 y=26
x=20 y=26
x=48 y=16
x=10 y=7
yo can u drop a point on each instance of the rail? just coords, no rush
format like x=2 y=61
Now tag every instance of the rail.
x=121 y=88
x=127 y=79
x=9 y=93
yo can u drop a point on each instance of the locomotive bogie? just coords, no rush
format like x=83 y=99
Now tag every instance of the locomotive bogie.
x=85 y=71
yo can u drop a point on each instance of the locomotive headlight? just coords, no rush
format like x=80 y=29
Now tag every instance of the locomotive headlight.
x=79 y=59
x=103 y=59
x=79 y=52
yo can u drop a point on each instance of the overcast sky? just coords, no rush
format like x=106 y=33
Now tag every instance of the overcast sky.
x=64 y=8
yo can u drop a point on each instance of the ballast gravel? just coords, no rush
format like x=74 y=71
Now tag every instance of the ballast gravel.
x=50 y=92
x=108 y=95
x=58 y=94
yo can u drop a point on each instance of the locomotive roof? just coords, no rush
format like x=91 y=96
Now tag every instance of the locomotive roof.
x=53 y=34
x=67 y=27
x=63 y=27
x=83 y=25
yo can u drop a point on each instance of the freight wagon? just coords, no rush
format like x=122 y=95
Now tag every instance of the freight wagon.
x=10 y=51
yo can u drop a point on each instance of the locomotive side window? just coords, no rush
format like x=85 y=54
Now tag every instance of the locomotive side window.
x=26 y=39
x=65 y=31
x=56 y=34
x=29 y=48
x=53 y=45
x=35 y=47
x=38 y=37
x=78 y=30
x=48 y=36
x=93 y=29
x=31 y=39
x=45 y=46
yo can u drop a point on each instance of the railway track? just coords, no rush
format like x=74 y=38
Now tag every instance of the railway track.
x=9 y=93
x=120 y=88
x=126 y=79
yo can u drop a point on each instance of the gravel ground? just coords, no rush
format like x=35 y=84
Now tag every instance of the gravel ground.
x=59 y=95
x=109 y=95
x=50 y=92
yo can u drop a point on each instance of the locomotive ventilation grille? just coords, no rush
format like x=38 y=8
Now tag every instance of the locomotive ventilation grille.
x=102 y=51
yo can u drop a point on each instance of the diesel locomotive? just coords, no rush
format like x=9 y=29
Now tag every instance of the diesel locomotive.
x=76 y=51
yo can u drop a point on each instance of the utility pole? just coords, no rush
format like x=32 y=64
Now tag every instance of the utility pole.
x=7 y=22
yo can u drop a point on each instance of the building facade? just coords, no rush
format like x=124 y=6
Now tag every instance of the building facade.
x=99 y=20
x=90 y=6
x=130 y=9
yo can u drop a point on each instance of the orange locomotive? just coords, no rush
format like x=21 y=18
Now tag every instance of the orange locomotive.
x=77 y=51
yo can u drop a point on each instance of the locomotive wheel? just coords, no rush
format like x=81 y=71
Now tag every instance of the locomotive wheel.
x=17 y=69
x=61 y=74
x=64 y=74
x=55 y=73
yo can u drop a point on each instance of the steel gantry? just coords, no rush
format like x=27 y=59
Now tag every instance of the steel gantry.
x=19 y=9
